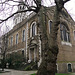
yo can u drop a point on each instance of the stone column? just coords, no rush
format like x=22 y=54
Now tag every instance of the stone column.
x=34 y=54
x=29 y=56
x=26 y=40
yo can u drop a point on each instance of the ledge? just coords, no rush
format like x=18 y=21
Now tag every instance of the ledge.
x=66 y=43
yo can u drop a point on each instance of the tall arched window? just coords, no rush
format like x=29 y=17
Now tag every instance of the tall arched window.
x=33 y=29
x=23 y=35
x=65 y=35
x=11 y=40
x=17 y=38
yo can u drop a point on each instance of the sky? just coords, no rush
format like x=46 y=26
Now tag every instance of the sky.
x=70 y=6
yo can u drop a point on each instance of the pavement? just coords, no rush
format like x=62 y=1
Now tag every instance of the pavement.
x=16 y=72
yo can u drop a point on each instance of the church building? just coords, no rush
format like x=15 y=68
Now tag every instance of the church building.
x=25 y=38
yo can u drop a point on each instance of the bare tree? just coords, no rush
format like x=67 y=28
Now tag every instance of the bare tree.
x=48 y=65
x=4 y=48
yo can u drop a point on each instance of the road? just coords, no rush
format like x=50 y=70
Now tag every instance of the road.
x=16 y=72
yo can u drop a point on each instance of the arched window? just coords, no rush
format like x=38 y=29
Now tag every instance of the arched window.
x=65 y=35
x=69 y=67
x=17 y=38
x=23 y=35
x=33 y=29
x=11 y=40
x=23 y=7
x=22 y=52
x=20 y=7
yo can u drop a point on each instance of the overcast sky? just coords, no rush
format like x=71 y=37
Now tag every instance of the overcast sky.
x=70 y=6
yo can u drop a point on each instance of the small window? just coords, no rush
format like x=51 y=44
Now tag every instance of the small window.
x=50 y=24
x=23 y=52
x=20 y=7
x=8 y=41
x=23 y=7
x=16 y=21
x=16 y=38
x=69 y=68
x=11 y=41
x=65 y=35
x=74 y=35
x=23 y=35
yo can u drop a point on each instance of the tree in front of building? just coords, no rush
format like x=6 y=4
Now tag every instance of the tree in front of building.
x=48 y=65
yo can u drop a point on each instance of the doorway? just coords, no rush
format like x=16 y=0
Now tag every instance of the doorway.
x=32 y=54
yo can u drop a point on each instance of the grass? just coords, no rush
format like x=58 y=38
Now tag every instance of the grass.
x=62 y=74
x=33 y=74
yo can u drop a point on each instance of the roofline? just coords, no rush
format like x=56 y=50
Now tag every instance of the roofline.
x=17 y=26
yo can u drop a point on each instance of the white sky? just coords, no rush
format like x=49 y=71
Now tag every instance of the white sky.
x=70 y=6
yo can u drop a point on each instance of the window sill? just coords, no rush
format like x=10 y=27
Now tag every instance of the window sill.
x=66 y=43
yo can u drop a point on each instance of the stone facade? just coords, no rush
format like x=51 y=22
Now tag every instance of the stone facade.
x=31 y=46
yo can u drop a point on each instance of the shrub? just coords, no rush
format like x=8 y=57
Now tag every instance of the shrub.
x=15 y=60
x=31 y=66
x=33 y=74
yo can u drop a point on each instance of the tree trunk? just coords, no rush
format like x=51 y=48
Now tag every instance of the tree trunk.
x=50 y=46
x=50 y=49
x=3 y=62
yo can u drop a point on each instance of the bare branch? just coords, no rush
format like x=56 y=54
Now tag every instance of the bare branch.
x=3 y=2
x=16 y=13
x=30 y=8
x=65 y=1
x=60 y=4
x=37 y=2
